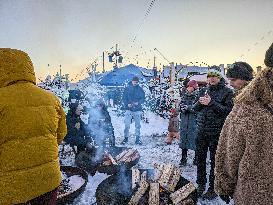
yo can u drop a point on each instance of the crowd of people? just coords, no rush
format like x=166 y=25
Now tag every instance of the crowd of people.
x=234 y=125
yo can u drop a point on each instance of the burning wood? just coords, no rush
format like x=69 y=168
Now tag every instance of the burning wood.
x=109 y=160
x=178 y=196
x=154 y=194
x=124 y=157
x=140 y=192
x=127 y=156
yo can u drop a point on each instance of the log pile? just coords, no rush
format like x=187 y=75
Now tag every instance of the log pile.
x=161 y=189
x=126 y=156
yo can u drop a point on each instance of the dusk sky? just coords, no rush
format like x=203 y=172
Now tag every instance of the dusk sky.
x=73 y=33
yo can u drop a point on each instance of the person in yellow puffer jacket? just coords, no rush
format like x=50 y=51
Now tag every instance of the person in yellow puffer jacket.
x=32 y=124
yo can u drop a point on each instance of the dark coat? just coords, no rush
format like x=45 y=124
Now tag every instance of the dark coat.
x=133 y=94
x=188 y=121
x=211 y=118
x=75 y=137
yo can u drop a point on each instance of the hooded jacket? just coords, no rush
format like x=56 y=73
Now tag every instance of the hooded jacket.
x=243 y=163
x=32 y=123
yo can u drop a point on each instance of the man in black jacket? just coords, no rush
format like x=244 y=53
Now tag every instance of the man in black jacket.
x=133 y=98
x=213 y=106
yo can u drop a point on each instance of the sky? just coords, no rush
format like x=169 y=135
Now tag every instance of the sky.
x=75 y=33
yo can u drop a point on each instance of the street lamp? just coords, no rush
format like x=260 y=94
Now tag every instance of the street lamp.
x=117 y=55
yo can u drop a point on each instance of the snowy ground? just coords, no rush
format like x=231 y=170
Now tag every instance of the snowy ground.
x=153 y=150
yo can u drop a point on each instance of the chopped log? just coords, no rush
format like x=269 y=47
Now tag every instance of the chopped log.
x=154 y=194
x=166 y=175
x=119 y=156
x=135 y=177
x=182 y=193
x=174 y=180
x=140 y=192
x=188 y=202
x=112 y=159
x=143 y=176
x=158 y=171
x=126 y=155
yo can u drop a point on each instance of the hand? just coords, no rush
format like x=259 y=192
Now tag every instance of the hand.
x=205 y=100
x=77 y=125
x=130 y=105
x=225 y=198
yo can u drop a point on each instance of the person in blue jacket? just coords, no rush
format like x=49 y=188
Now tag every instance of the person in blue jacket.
x=133 y=98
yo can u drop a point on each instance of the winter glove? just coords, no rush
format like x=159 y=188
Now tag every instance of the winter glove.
x=225 y=198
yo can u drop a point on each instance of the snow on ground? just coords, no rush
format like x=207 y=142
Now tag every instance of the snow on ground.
x=153 y=150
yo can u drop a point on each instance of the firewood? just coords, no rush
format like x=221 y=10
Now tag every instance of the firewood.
x=119 y=156
x=112 y=159
x=188 y=202
x=154 y=194
x=140 y=192
x=135 y=177
x=158 y=171
x=126 y=155
x=143 y=176
x=165 y=177
x=174 y=180
x=182 y=193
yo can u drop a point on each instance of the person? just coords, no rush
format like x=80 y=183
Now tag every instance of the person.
x=76 y=132
x=188 y=120
x=213 y=106
x=173 y=127
x=244 y=165
x=100 y=125
x=32 y=125
x=133 y=98
x=239 y=75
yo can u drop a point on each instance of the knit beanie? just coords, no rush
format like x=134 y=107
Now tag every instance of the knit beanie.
x=268 y=61
x=240 y=70
x=135 y=79
x=214 y=71
x=192 y=83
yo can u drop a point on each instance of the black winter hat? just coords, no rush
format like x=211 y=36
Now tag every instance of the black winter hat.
x=240 y=70
x=268 y=61
x=135 y=79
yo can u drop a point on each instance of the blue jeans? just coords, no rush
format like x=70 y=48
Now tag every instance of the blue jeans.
x=128 y=118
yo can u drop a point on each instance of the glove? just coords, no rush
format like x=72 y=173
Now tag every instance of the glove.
x=225 y=198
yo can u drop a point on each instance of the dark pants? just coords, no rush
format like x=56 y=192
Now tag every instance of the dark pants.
x=48 y=198
x=203 y=143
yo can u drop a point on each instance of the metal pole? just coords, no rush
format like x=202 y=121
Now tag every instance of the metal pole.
x=116 y=55
x=103 y=69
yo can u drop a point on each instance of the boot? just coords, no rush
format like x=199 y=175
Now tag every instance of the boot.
x=200 y=190
x=138 y=141
x=183 y=161
x=124 y=141
x=210 y=194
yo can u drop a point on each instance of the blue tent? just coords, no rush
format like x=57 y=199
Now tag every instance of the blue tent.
x=121 y=76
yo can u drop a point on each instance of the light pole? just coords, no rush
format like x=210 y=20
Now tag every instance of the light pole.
x=117 y=55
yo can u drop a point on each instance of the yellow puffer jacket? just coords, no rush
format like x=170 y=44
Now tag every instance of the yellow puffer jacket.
x=32 y=124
